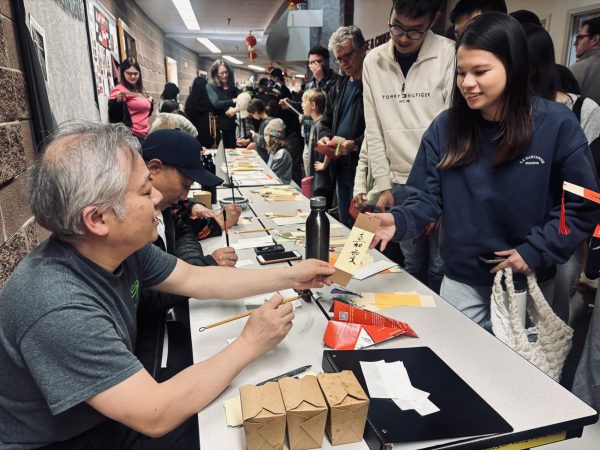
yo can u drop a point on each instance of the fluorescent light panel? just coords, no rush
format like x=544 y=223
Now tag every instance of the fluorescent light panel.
x=299 y=76
x=209 y=45
x=257 y=68
x=233 y=60
x=184 y=8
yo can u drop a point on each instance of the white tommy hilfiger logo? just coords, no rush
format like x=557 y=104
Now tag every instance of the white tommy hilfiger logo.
x=532 y=160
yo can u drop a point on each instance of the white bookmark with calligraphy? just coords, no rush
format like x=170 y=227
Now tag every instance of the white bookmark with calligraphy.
x=355 y=249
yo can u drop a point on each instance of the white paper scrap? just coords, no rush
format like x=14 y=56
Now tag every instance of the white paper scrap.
x=257 y=300
x=370 y=270
x=282 y=221
x=391 y=380
x=252 y=242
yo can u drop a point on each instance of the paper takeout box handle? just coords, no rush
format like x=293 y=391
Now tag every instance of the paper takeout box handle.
x=257 y=398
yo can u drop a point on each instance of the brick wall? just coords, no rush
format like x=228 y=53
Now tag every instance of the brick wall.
x=18 y=231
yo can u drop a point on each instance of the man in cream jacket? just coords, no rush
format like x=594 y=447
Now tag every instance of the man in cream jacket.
x=407 y=82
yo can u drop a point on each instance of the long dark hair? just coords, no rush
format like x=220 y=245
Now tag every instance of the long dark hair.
x=567 y=82
x=502 y=36
x=544 y=77
x=126 y=64
x=214 y=73
x=198 y=98
x=170 y=92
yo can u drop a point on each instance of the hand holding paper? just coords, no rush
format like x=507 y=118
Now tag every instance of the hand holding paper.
x=386 y=230
x=355 y=249
x=311 y=274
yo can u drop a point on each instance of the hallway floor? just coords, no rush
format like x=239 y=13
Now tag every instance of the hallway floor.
x=580 y=313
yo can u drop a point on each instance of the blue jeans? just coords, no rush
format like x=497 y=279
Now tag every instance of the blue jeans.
x=421 y=254
x=344 y=197
x=474 y=301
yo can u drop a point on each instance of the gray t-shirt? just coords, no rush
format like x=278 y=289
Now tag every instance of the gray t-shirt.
x=67 y=333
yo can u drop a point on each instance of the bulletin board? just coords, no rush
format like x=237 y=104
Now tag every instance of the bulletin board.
x=104 y=50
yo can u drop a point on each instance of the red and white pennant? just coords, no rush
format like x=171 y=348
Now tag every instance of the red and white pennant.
x=588 y=194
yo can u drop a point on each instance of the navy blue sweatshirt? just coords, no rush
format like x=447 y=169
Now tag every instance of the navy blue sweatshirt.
x=514 y=205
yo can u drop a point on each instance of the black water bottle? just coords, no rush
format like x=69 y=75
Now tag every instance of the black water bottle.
x=210 y=166
x=317 y=230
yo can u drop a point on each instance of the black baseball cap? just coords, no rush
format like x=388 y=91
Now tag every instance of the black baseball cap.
x=180 y=150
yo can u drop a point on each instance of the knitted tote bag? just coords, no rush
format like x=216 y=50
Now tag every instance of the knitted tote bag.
x=554 y=337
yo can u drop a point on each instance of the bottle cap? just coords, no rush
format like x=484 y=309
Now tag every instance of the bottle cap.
x=318 y=202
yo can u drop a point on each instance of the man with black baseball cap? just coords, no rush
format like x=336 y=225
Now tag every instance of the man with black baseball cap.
x=174 y=161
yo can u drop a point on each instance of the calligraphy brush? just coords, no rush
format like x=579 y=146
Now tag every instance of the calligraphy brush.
x=246 y=314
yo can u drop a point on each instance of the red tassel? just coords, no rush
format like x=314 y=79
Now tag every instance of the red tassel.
x=562 y=227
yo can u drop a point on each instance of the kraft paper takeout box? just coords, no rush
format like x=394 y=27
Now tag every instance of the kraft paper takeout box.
x=203 y=197
x=348 y=406
x=306 y=412
x=263 y=413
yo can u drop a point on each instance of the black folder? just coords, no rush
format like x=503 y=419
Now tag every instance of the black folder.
x=463 y=412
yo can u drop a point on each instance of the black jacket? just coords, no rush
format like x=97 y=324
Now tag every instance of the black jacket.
x=153 y=306
x=325 y=84
x=345 y=166
x=221 y=101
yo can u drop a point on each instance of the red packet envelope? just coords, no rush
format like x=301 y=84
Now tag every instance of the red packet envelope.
x=328 y=151
x=354 y=328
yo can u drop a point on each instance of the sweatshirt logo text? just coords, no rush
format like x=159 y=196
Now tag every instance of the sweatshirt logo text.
x=532 y=160
x=405 y=97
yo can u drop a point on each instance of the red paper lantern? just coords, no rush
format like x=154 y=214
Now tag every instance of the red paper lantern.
x=250 y=40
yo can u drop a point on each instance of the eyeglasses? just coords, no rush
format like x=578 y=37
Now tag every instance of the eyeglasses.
x=345 y=58
x=413 y=35
x=579 y=37
x=132 y=74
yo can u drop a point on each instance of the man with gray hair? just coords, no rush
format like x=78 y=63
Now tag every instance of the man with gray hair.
x=69 y=378
x=343 y=122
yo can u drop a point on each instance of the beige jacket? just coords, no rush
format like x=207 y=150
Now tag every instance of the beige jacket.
x=398 y=110
x=363 y=180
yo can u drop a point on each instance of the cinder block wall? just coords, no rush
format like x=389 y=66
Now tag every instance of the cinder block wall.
x=18 y=231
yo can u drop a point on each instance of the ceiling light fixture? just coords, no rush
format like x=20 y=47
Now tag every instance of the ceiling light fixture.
x=257 y=68
x=209 y=45
x=233 y=60
x=184 y=8
x=299 y=76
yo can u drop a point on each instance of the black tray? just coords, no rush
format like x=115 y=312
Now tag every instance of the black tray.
x=463 y=412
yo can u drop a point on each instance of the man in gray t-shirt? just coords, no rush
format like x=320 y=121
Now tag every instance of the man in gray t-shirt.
x=67 y=314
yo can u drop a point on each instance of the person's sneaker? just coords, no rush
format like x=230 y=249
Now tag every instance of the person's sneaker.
x=585 y=281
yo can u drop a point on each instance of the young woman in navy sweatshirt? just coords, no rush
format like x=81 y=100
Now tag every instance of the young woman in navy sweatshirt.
x=491 y=168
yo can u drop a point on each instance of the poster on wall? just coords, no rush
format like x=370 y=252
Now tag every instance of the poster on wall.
x=39 y=40
x=102 y=45
x=102 y=27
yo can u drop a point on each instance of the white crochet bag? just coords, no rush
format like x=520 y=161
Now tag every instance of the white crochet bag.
x=554 y=337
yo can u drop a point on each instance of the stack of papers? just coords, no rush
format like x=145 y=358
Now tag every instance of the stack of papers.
x=390 y=380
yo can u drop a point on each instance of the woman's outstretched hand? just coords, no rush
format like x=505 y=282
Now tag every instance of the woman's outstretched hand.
x=385 y=231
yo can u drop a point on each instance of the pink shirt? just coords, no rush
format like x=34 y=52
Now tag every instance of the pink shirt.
x=139 y=110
